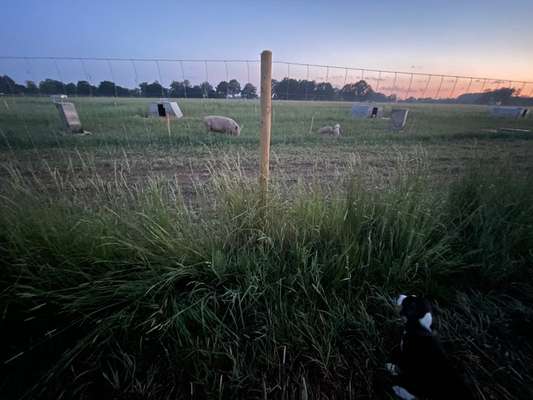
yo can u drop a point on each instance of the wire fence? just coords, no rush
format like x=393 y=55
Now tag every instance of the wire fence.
x=113 y=97
x=205 y=78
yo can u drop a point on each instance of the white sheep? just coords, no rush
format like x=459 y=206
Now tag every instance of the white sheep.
x=216 y=123
x=330 y=130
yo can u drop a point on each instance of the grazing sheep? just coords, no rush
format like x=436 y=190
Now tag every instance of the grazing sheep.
x=330 y=130
x=216 y=123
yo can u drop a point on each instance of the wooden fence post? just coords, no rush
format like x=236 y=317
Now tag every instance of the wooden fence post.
x=266 y=121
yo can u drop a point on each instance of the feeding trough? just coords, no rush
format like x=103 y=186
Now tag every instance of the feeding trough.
x=508 y=112
x=360 y=110
x=165 y=108
x=398 y=118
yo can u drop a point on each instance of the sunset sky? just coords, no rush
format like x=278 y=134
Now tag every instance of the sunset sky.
x=481 y=38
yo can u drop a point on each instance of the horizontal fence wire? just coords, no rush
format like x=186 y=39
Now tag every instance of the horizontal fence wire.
x=206 y=78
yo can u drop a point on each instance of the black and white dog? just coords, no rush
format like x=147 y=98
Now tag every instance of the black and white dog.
x=422 y=369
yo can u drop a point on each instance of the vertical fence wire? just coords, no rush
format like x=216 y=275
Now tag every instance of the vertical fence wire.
x=288 y=80
x=160 y=78
x=59 y=75
x=31 y=74
x=426 y=87
x=184 y=80
x=307 y=82
x=115 y=102
x=483 y=85
x=453 y=88
x=227 y=78
x=379 y=81
x=89 y=80
x=409 y=87
x=439 y=88
x=20 y=116
x=147 y=127
x=469 y=85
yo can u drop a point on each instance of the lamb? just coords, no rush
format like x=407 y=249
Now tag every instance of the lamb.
x=329 y=130
x=216 y=123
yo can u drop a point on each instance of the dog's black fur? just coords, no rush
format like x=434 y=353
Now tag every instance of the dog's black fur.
x=423 y=368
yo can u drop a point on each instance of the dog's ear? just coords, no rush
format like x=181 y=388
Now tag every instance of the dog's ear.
x=400 y=299
x=408 y=306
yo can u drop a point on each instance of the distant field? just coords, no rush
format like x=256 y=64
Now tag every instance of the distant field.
x=138 y=263
x=445 y=137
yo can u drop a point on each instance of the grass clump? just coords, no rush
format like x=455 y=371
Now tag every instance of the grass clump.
x=133 y=292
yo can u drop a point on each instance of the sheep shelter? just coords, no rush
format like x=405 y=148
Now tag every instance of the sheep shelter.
x=366 y=111
x=398 y=118
x=69 y=116
x=165 y=108
x=508 y=112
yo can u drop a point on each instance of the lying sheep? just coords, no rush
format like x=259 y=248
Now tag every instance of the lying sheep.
x=330 y=130
x=216 y=123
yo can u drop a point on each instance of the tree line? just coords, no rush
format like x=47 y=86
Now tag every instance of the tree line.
x=106 y=88
x=285 y=89
x=293 y=89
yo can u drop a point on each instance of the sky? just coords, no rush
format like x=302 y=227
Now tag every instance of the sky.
x=476 y=38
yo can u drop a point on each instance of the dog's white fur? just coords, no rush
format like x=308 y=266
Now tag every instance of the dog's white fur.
x=403 y=393
x=426 y=321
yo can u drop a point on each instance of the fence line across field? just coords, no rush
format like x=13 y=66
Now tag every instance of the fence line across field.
x=270 y=78
x=399 y=84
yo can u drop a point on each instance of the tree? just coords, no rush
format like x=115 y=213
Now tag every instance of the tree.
x=498 y=96
x=234 y=87
x=292 y=89
x=6 y=83
x=324 y=91
x=285 y=89
x=306 y=89
x=359 y=91
x=31 y=88
x=71 y=89
x=153 y=89
x=106 y=88
x=84 y=88
x=379 y=97
x=51 y=86
x=249 y=91
x=195 y=92
x=222 y=90
x=179 y=89
x=207 y=90
x=123 y=92
x=9 y=86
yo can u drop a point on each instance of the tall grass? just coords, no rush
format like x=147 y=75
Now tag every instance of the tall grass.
x=124 y=291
